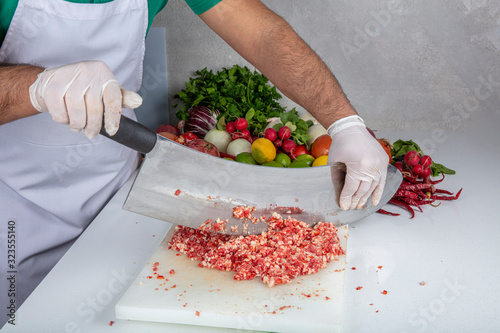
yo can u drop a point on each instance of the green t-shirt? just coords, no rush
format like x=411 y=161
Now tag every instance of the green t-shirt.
x=8 y=7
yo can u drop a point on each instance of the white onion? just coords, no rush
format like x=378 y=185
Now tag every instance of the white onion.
x=239 y=146
x=219 y=138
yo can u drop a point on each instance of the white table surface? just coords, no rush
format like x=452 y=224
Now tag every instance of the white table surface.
x=453 y=248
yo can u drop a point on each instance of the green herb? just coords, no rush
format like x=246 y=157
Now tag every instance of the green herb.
x=437 y=169
x=401 y=147
x=235 y=92
x=297 y=126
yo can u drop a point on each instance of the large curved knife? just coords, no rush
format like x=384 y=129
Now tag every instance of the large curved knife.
x=186 y=187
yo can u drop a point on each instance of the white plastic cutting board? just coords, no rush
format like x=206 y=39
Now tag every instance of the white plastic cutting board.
x=211 y=297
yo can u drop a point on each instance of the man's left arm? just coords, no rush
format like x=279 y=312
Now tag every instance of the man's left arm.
x=269 y=43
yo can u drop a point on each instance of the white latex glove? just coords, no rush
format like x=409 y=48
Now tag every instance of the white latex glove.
x=365 y=159
x=80 y=95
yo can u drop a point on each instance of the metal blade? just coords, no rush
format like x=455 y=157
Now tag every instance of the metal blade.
x=183 y=186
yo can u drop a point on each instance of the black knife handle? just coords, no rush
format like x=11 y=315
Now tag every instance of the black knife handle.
x=133 y=135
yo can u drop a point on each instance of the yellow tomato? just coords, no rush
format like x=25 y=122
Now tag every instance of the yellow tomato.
x=321 y=160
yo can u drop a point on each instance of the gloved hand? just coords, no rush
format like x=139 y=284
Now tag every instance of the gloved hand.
x=80 y=94
x=365 y=159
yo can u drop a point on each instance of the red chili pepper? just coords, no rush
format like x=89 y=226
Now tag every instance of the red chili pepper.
x=381 y=211
x=406 y=194
x=410 y=201
x=405 y=183
x=226 y=155
x=422 y=195
x=414 y=187
x=427 y=201
x=443 y=197
x=442 y=191
x=188 y=136
x=404 y=205
x=411 y=179
x=433 y=182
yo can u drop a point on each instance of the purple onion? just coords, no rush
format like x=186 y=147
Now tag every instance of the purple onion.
x=201 y=120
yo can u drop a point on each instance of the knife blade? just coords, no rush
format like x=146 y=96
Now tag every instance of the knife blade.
x=187 y=187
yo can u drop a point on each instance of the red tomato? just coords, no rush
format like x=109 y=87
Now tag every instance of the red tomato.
x=188 y=136
x=321 y=145
x=387 y=147
x=299 y=150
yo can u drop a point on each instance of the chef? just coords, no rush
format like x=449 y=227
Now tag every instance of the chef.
x=68 y=67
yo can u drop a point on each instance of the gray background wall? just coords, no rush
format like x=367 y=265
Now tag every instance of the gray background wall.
x=403 y=64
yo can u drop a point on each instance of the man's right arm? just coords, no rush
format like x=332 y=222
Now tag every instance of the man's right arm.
x=80 y=95
x=15 y=81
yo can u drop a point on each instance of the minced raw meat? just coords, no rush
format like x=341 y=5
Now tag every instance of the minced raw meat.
x=288 y=249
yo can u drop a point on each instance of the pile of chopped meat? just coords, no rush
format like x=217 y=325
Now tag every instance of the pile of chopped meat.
x=288 y=249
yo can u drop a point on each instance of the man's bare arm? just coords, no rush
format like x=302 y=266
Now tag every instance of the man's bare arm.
x=268 y=42
x=15 y=81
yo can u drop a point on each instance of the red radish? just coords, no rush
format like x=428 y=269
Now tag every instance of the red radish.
x=270 y=134
x=168 y=128
x=417 y=169
x=288 y=146
x=236 y=135
x=411 y=158
x=426 y=172
x=240 y=124
x=203 y=146
x=278 y=143
x=230 y=128
x=284 y=133
x=245 y=134
x=426 y=161
x=399 y=165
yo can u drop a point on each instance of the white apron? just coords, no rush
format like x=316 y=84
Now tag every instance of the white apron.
x=53 y=181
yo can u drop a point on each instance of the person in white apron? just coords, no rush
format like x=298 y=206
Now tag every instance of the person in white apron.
x=54 y=181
